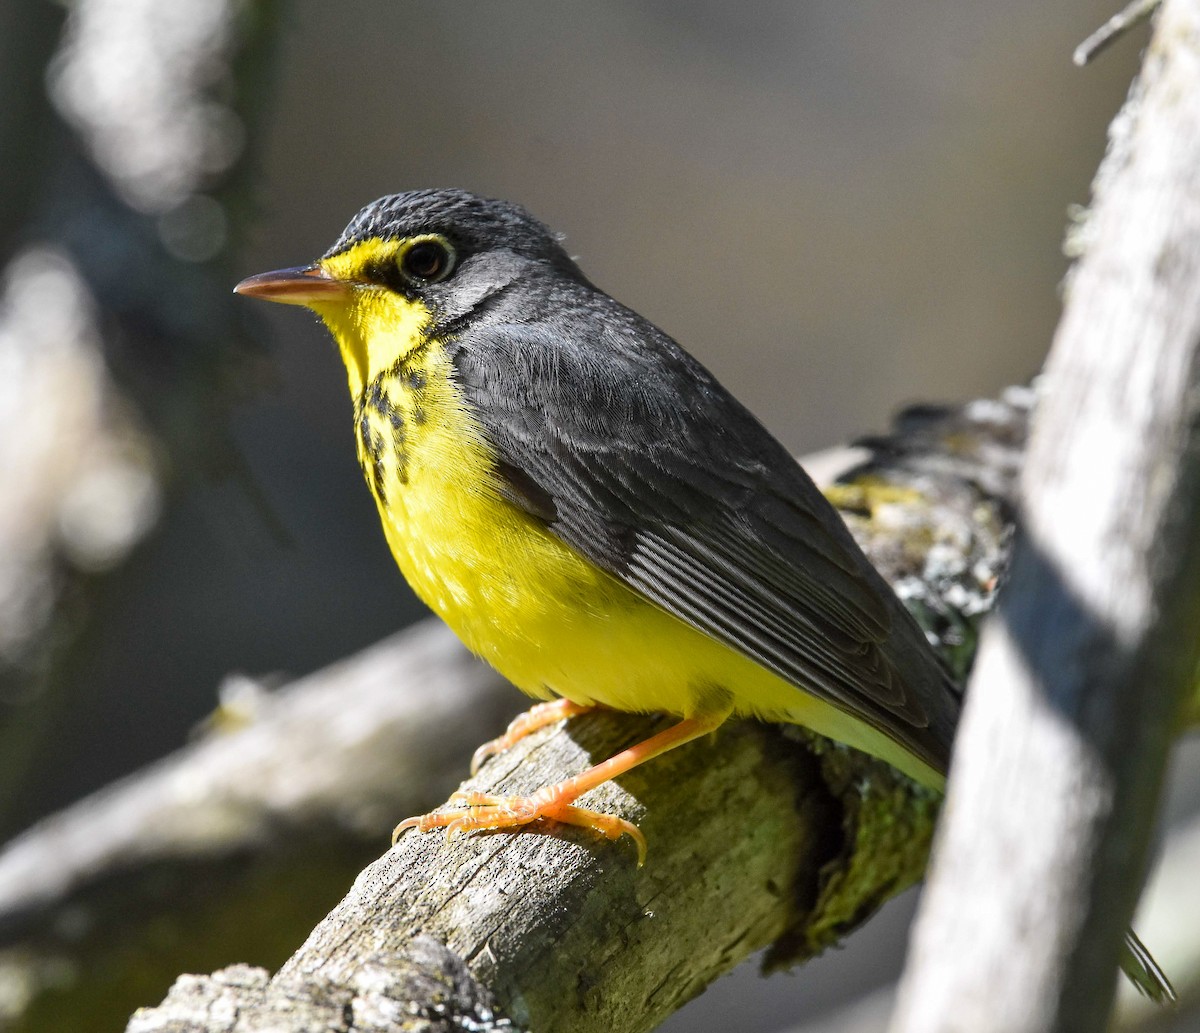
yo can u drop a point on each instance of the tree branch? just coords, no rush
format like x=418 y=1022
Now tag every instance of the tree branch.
x=1133 y=13
x=760 y=836
x=1081 y=679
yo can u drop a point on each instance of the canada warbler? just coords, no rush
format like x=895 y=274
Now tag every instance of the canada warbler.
x=592 y=513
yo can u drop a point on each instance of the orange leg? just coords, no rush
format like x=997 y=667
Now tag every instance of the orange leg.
x=538 y=716
x=469 y=811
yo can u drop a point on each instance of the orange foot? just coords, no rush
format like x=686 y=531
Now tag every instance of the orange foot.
x=468 y=811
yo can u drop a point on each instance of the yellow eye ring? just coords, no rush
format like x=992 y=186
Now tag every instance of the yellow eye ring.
x=427 y=259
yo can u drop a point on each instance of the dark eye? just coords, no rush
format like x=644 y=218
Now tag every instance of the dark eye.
x=427 y=261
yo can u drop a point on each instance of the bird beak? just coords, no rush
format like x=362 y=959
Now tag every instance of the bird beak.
x=303 y=285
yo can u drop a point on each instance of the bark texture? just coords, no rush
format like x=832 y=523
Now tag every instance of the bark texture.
x=1081 y=678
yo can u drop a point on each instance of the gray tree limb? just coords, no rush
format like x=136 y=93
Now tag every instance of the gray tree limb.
x=1080 y=681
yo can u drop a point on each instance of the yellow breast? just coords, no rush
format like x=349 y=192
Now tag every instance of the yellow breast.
x=515 y=594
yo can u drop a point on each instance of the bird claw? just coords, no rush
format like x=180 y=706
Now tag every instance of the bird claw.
x=472 y=811
x=538 y=716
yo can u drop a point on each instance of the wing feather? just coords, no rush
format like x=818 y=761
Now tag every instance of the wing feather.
x=631 y=453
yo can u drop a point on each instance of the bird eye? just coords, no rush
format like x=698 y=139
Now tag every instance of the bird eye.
x=427 y=261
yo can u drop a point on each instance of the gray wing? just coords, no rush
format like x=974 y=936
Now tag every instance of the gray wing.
x=629 y=451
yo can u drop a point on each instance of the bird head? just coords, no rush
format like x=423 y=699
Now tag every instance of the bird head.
x=412 y=266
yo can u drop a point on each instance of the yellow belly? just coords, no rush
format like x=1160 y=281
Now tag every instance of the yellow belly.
x=555 y=624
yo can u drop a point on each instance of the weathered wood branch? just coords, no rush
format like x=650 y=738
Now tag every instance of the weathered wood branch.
x=754 y=838
x=265 y=820
x=1081 y=678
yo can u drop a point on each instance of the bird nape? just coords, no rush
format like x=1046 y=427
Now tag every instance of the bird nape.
x=595 y=515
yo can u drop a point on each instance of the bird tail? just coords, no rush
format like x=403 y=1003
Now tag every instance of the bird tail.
x=1139 y=965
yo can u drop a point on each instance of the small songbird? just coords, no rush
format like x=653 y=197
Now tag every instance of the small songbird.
x=593 y=513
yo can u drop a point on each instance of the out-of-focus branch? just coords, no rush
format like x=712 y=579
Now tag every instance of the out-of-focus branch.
x=119 y=350
x=1081 y=678
x=1133 y=13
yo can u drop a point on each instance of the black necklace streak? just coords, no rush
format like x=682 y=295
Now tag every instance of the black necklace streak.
x=380 y=421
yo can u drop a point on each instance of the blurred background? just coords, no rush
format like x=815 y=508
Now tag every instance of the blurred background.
x=839 y=208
